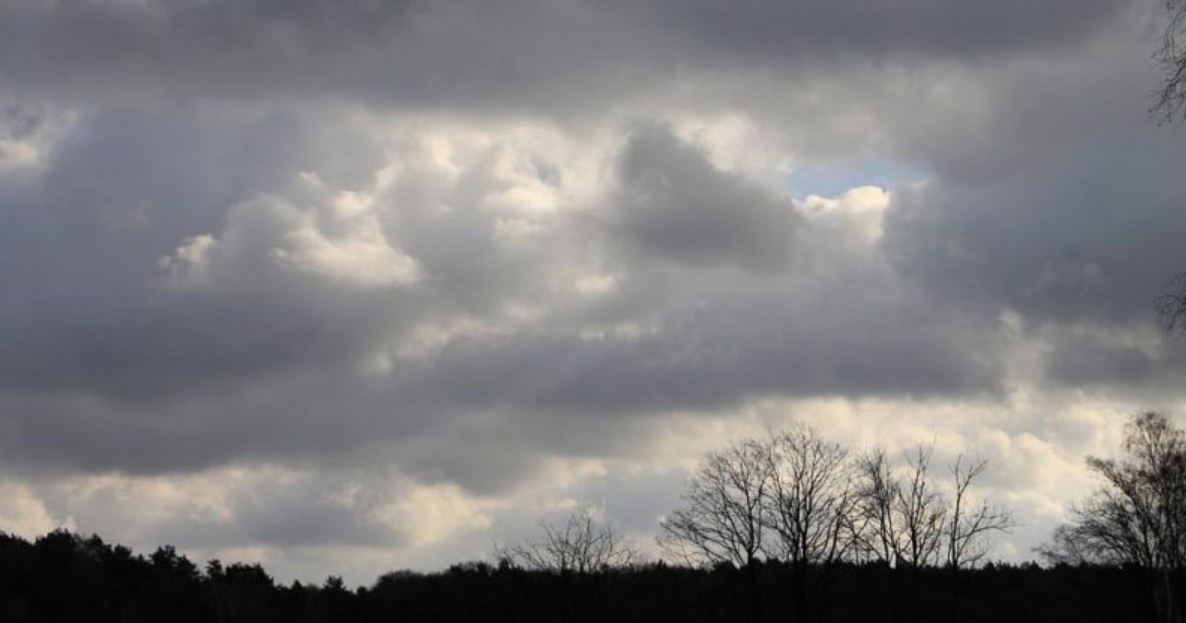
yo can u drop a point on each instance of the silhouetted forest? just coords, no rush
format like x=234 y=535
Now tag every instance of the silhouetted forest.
x=66 y=577
x=790 y=527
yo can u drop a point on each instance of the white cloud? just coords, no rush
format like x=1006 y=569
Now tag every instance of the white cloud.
x=24 y=514
x=340 y=239
x=863 y=207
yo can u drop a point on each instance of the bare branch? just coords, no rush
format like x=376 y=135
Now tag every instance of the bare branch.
x=810 y=498
x=1138 y=515
x=583 y=544
x=874 y=524
x=969 y=523
x=723 y=516
x=1171 y=307
x=1171 y=98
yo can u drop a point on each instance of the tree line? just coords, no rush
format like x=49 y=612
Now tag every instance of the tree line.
x=807 y=504
x=786 y=527
x=67 y=577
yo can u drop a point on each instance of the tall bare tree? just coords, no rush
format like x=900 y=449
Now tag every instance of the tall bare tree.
x=810 y=501
x=922 y=512
x=906 y=518
x=1138 y=516
x=723 y=518
x=970 y=523
x=810 y=497
x=875 y=520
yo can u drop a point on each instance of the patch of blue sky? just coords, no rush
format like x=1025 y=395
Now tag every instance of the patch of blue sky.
x=834 y=178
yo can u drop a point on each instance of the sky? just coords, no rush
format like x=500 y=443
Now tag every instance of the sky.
x=347 y=287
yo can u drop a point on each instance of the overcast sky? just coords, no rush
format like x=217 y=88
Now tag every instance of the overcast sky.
x=344 y=287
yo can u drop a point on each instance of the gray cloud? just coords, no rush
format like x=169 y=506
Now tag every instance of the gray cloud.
x=1086 y=361
x=82 y=244
x=241 y=348
x=526 y=51
x=674 y=204
x=759 y=31
x=1091 y=235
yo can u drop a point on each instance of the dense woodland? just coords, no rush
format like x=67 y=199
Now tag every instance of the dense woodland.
x=65 y=577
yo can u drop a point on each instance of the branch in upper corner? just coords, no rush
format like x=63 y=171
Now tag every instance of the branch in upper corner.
x=1171 y=97
x=1171 y=307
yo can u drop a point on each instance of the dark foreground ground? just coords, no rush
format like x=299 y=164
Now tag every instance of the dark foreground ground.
x=64 y=577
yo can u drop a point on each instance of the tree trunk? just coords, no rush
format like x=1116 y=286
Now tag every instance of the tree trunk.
x=755 y=590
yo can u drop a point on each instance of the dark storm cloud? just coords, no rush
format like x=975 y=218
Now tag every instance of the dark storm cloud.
x=419 y=51
x=1070 y=216
x=411 y=51
x=286 y=415
x=1092 y=235
x=675 y=205
x=81 y=247
x=1085 y=361
x=762 y=31
x=736 y=345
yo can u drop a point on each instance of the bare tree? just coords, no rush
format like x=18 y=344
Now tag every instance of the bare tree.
x=875 y=524
x=810 y=500
x=969 y=523
x=907 y=519
x=1104 y=529
x=922 y=512
x=723 y=518
x=1138 y=516
x=810 y=497
x=901 y=519
x=583 y=544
